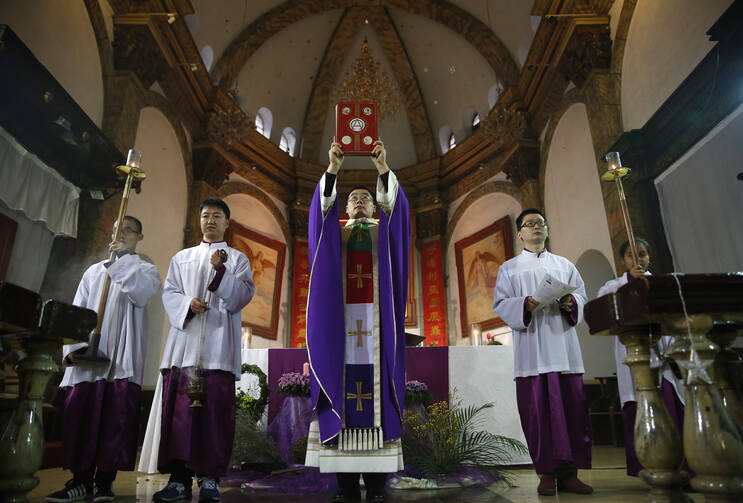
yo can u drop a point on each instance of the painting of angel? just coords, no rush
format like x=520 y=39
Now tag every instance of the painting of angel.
x=267 y=265
x=478 y=258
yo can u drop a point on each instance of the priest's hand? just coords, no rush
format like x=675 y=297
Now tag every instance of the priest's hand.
x=218 y=258
x=198 y=306
x=531 y=304
x=335 y=156
x=566 y=303
x=379 y=157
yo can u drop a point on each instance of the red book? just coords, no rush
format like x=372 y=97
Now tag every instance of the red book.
x=356 y=127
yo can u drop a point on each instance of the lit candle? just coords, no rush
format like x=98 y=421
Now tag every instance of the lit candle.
x=306 y=369
x=134 y=158
x=476 y=331
x=247 y=337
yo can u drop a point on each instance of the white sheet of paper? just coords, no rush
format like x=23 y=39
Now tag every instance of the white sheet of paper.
x=551 y=289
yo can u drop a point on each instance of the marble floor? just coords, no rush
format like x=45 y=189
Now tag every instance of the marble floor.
x=608 y=477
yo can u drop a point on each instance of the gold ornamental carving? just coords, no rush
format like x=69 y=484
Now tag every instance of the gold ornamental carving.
x=366 y=82
x=504 y=125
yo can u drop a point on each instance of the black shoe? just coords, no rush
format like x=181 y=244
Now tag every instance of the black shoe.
x=73 y=491
x=104 y=493
x=376 y=497
x=342 y=496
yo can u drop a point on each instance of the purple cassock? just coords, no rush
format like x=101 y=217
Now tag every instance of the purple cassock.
x=326 y=332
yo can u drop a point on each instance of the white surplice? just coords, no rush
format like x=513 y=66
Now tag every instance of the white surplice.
x=189 y=274
x=625 y=380
x=548 y=343
x=124 y=329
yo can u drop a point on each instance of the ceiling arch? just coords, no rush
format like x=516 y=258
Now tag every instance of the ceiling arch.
x=477 y=33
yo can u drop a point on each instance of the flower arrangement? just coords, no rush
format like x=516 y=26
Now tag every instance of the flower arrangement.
x=294 y=383
x=443 y=439
x=253 y=406
x=417 y=392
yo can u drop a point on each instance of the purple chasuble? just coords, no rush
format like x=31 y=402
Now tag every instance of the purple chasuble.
x=326 y=332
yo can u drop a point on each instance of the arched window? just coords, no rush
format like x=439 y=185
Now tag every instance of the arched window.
x=446 y=137
x=475 y=121
x=288 y=141
x=207 y=56
x=264 y=121
x=452 y=141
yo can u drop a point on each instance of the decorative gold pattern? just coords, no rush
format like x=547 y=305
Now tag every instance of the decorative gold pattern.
x=367 y=83
x=359 y=333
x=228 y=126
x=358 y=396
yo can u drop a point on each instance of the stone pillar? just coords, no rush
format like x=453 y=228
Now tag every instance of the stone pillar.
x=522 y=168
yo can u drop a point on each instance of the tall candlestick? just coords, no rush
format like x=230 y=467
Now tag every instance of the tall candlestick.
x=616 y=172
x=306 y=369
x=247 y=337
x=476 y=331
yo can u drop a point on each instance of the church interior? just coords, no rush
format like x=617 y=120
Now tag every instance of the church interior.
x=486 y=108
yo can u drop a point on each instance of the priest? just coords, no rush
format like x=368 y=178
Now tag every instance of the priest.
x=548 y=366
x=355 y=329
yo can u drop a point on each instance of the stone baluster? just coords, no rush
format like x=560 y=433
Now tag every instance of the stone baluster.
x=712 y=442
x=657 y=441
x=22 y=442
x=726 y=363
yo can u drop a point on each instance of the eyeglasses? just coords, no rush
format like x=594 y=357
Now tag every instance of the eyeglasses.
x=363 y=197
x=126 y=231
x=534 y=223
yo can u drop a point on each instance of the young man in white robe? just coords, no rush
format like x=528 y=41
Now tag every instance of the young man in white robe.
x=101 y=413
x=671 y=385
x=548 y=366
x=204 y=293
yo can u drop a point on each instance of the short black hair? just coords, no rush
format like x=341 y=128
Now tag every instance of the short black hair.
x=528 y=211
x=625 y=245
x=216 y=202
x=364 y=188
x=136 y=222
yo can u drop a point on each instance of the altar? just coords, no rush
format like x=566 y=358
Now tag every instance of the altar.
x=472 y=375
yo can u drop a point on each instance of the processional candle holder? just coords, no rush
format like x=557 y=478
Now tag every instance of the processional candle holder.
x=615 y=173
x=132 y=170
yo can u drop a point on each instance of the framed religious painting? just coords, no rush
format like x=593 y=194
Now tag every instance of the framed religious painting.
x=266 y=257
x=478 y=258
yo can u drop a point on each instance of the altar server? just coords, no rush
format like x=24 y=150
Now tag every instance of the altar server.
x=671 y=385
x=101 y=412
x=355 y=330
x=548 y=366
x=205 y=291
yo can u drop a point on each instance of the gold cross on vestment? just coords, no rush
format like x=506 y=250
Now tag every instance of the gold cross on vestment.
x=359 y=277
x=358 y=333
x=358 y=396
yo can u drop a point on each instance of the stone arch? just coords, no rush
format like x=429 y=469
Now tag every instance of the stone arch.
x=231 y=188
x=441 y=11
x=483 y=190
